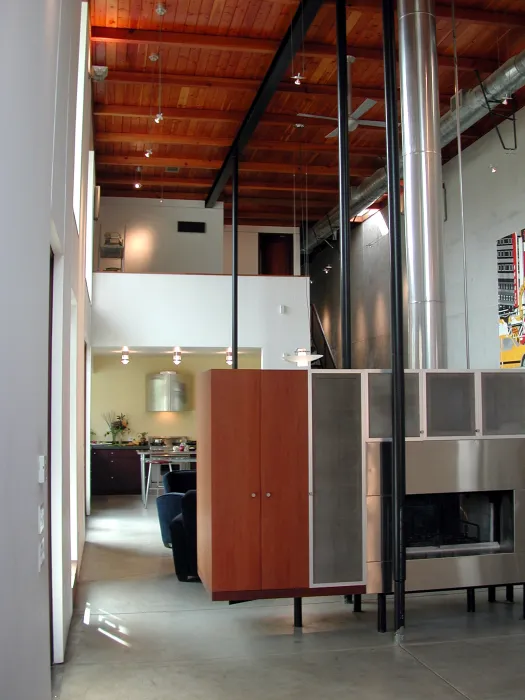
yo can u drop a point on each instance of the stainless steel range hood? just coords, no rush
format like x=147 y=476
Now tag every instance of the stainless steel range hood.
x=165 y=391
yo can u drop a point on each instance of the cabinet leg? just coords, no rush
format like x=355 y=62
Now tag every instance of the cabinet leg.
x=348 y=599
x=297 y=612
x=471 y=600
x=357 y=602
x=381 y=612
x=492 y=594
x=509 y=590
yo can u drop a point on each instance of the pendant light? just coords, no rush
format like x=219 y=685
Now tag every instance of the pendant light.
x=302 y=358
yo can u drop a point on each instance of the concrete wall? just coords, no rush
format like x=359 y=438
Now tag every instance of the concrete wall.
x=36 y=198
x=370 y=293
x=249 y=248
x=494 y=207
x=152 y=242
x=122 y=389
x=194 y=311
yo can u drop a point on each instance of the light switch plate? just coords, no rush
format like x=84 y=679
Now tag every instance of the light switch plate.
x=41 y=518
x=42 y=465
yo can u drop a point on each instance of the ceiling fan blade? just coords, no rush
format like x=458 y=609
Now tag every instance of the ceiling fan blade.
x=332 y=134
x=317 y=116
x=363 y=108
x=368 y=122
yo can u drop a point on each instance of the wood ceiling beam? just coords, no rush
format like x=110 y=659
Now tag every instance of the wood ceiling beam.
x=444 y=11
x=244 y=166
x=215 y=142
x=107 y=179
x=260 y=46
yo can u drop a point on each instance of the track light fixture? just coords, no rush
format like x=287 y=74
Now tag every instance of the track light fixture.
x=177 y=355
x=158 y=118
x=299 y=125
x=148 y=153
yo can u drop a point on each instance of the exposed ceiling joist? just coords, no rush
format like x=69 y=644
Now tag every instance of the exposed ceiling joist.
x=244 y=166
x=192 y=81
x=261 y=46
x=443 y=11
x=210 y=141
x=108 y=180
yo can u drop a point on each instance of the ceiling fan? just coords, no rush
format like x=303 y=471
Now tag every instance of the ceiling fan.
x=354 y=119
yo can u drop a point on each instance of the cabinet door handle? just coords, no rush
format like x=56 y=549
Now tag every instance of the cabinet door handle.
x=254 y=495
x=268 y=495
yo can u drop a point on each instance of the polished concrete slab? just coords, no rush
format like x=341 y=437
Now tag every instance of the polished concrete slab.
x=139 y=634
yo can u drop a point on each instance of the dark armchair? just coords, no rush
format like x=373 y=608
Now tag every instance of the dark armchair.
x=169 y=505
x=184 y=538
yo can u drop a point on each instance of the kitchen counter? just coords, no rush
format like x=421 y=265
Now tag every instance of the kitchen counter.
x=111 y=446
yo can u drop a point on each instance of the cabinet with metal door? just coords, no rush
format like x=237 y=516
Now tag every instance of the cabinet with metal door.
x=115 y=472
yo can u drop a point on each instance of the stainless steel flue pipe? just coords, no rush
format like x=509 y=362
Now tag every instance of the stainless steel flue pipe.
x=419 y=78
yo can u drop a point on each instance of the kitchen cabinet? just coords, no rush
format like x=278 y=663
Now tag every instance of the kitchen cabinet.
x=115 y=471
x=252 y=482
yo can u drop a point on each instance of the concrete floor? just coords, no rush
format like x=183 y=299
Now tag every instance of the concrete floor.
x=139 y=634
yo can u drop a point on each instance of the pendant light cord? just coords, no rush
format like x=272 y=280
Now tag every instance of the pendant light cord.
x=461 y=193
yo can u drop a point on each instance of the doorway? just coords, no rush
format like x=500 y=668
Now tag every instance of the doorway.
x=276 y=254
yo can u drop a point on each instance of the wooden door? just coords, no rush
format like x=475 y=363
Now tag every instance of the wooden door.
x=276 y=254
x=236 y=482
x=284 y=479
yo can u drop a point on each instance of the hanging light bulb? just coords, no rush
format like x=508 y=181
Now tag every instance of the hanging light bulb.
x=297 y=78
x=148 y=153
x=158 y=118
x=125 y=355
x=229 y=356
x=177 y=355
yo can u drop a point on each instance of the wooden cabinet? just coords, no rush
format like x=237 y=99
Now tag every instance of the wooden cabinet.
x=114 y=472
x=252 y=481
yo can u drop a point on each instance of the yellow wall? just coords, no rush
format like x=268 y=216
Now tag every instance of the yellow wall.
x=122 y=389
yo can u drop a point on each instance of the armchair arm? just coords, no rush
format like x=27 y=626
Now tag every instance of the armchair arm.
x=169 y=505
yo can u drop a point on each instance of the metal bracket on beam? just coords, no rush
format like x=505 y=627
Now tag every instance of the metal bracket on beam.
x=498 y=114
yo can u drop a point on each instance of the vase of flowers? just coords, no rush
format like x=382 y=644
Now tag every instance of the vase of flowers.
x=118 y=426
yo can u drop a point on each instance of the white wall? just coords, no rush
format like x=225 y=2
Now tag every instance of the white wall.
x=152 y=242
x=195 y=311
x=37 y=208
x=494 y=207
x=249 y=248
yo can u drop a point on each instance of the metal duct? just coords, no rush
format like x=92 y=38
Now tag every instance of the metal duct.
x=509 y=78
x=419 y=80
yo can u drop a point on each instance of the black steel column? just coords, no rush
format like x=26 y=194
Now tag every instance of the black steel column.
x=396 y=316
x=235 y=261
x=344 y=183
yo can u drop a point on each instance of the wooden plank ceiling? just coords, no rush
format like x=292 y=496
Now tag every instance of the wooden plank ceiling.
x=213 y=56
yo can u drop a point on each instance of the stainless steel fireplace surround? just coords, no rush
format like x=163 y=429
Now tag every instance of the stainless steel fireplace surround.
x=495 y=469
x=464 y=517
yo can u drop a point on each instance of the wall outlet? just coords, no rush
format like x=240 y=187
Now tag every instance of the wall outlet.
x=41 y=554
x=41 y=518
x=42 y=467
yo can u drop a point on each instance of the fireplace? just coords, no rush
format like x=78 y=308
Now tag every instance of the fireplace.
x=459 y=524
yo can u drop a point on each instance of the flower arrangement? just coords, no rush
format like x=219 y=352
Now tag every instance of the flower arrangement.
x=117 y=425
